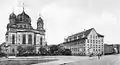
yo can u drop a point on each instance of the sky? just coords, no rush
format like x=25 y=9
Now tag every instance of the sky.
x=63 y=18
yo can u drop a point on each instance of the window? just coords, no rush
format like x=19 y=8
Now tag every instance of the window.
x=41 y=40
x=13 y=50
x=99 y=49
x=20 y=26
x=75 y=37
x=88 y=40
x=29 y=39
x=13 y=39
x=96 y=41
x=21 y=19
x=19 y=37
x=24 y=39
x=88 y=44
x=70 y=39
x=101 y=40
x=91 y=41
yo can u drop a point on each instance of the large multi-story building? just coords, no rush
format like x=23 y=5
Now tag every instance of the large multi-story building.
x=85 y=42
x=20 y=32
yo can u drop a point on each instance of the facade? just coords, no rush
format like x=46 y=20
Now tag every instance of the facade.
x=85 y=42
x=21 y=33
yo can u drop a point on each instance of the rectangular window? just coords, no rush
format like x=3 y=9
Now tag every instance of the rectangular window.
x=91 y=41
x=88 y=40
x=13 y=39
x=75 y=37
x=90 y=36
x=101 y=40
x=88 y=44
x=29 y=39
x=41 y=40
x=96 y=41
x=24 y=39
x=70 y=39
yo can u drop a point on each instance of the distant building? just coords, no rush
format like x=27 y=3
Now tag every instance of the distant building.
x=108 y=49
x=111 y=49
x=20 y=32
x=85 y=42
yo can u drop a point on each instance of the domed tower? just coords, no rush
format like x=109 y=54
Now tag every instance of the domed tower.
x=12 y=18
x=23 y=18
x=40 y=24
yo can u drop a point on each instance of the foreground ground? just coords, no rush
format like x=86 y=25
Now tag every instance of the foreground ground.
x=77 y=60
x=62 y=60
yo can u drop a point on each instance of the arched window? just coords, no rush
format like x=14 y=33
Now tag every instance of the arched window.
x=41 y=40
x=24 y=39
x=29 y=39
x=13 y=39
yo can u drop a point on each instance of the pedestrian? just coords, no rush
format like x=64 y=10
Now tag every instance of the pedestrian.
x=98 y=56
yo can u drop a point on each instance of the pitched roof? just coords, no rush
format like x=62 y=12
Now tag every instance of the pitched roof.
x=85 y=33
x=99 y=35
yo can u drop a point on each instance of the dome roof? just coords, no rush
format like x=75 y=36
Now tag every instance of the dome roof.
x=23 y=18
x=12 y=16
x=40 y=20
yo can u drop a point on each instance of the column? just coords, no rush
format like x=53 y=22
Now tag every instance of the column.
x=26 y=38
x=16 y=38
x=20 y=41
x=10 y=38
x=32 y=39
